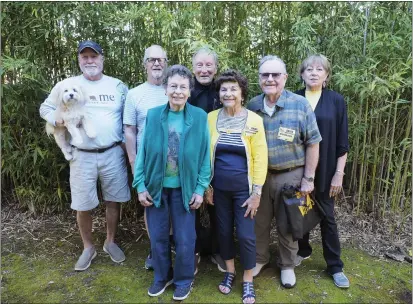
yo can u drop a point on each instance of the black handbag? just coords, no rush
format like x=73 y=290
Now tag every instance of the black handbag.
x=302 y=213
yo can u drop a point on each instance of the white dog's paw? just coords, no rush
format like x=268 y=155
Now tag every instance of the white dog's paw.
x=69 y=149
x=91 y=133
x=68 y=156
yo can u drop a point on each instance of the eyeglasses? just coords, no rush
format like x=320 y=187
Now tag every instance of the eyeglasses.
x=265 y=76
x=153 y=60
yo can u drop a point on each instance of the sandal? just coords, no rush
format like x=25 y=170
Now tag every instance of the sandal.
x=248 y=291
x=227 y=282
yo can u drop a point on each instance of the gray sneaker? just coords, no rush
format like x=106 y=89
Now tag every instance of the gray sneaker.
x=341 y=280
x=85 y=259
x=299 y=259
x=115 y=253
x=217 y=259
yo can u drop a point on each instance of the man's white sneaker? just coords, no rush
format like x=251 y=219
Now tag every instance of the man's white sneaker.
x=288 y=278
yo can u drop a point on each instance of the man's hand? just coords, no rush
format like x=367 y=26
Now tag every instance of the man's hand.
x=306 y=187
x=145 y=199
x=252 y=203
x=196 y=201
x=336 y=184
x=59 y=123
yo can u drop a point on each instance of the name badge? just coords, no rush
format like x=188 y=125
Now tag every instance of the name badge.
x=286 y=134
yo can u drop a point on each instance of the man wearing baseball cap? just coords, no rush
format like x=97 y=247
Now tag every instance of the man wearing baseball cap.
x=101 y=158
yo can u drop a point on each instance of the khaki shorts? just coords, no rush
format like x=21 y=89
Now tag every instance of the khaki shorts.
x=109 y=167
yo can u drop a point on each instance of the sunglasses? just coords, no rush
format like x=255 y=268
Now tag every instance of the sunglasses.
x=265 y=76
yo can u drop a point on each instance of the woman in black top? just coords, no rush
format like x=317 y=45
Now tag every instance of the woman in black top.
x=330 y=110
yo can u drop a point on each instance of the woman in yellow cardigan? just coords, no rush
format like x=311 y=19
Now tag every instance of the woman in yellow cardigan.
x=239 y=158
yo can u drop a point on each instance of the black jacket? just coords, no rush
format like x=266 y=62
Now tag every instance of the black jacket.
x=331 y=115
x=205 y=97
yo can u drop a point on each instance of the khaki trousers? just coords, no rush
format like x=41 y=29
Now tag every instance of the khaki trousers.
x=270 y=200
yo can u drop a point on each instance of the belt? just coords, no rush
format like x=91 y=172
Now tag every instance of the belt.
x=100 y=150
x=273 y=171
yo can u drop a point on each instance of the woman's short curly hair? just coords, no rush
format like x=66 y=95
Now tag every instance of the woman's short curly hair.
x=180 y=70
x=233 y=76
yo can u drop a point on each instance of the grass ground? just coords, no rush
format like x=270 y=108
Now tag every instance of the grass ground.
x=39 y=269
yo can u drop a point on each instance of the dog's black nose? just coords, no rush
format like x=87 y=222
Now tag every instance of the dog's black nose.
x=71 y=95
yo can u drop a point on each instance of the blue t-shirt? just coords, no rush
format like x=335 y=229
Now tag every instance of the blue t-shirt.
x=176 y=126
x=230 y=168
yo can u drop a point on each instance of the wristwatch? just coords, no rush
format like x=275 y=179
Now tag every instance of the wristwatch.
x=309 y=179
x=256 y=191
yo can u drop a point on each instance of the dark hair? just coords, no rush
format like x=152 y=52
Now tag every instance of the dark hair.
x=180 y=70
x=233 y=76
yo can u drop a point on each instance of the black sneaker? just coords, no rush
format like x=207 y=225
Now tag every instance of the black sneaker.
x=148 y=262
x=181 y=293
x=157 y=289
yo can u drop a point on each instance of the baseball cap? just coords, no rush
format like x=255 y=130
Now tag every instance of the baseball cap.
x=89 y=44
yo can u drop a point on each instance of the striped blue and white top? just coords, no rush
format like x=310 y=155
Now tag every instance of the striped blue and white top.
x=230 y=167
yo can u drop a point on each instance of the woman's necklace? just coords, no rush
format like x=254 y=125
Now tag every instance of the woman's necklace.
x=231 y=124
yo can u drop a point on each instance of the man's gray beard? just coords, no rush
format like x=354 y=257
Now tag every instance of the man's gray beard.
x=157 y=75
x=91 y=72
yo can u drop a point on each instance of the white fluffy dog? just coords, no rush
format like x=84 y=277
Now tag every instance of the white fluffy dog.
x=69 y=99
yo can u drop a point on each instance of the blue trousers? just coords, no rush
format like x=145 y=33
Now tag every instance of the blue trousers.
x=228 y=210
x=183 y=225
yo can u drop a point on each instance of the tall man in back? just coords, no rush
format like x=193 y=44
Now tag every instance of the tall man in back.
x=204 y=96
x=99 y=158
x=140 y=99
x=293 y=141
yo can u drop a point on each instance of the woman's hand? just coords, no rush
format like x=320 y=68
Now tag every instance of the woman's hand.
x=209 y=196
x=196 y=201
x=145 y=199
x=252 y=204
x=336 y=184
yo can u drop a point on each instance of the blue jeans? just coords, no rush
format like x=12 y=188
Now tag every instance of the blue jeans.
x=183 y=225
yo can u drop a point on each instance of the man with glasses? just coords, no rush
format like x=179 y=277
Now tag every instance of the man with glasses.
x=204 y=96
x=293 y=141
x=138 y=101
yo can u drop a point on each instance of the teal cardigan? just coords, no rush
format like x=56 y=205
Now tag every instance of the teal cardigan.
x=193 y=157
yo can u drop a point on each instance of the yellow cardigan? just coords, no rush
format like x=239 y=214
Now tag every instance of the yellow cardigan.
x=253 y=137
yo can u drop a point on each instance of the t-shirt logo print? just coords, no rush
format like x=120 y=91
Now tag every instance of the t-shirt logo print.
x=172 y=168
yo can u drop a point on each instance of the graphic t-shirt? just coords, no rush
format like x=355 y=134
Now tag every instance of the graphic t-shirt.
x=104 y=109
x=176 y=126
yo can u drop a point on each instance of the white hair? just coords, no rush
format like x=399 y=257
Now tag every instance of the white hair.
x=270 y=58
x=146 y=55
x=205 y=50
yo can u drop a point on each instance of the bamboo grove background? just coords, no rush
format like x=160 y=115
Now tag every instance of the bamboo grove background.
x=369 y=45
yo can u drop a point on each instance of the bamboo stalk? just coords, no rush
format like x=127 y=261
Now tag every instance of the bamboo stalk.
x=390 y=166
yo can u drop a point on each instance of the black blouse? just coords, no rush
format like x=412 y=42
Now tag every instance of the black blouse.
x=331 y=115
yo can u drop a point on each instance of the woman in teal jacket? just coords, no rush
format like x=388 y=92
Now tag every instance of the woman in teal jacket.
x=172 y=171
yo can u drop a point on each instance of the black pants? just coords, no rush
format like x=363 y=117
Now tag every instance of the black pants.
x=229 y=213
x=329 y=235
x=207 y=239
